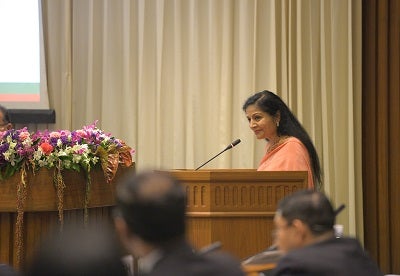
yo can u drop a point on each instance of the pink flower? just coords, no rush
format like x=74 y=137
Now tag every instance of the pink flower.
x=23 y=135
x=65 y=132
x=81 y=133
x=46 y=148
x=55 y=134
x=80 y=151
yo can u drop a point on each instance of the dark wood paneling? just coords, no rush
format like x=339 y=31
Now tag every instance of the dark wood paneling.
x=394 y=132
x=381 y=131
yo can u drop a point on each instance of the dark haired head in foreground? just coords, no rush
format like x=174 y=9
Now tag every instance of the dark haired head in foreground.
x=91 y=251
x=150 y=220
x=304 y=232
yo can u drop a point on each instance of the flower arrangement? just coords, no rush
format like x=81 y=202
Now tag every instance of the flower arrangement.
x=79 y=150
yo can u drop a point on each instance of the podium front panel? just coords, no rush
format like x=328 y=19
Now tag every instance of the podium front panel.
x=235 y=207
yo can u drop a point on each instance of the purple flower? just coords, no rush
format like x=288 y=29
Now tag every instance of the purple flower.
x=73 y=150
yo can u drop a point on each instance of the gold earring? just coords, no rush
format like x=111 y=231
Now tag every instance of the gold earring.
x=277 y=124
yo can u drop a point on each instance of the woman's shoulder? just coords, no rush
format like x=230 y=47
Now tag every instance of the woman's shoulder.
x=291 y=140
x=293 y=144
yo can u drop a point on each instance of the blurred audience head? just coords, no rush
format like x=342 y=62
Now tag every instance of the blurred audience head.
x=302 y=218
x=150 y=211
x=89 y=251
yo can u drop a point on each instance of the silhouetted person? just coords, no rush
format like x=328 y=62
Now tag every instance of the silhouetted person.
x=151 y=225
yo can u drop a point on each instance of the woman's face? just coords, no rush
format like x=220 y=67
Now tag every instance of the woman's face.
x=263 y=124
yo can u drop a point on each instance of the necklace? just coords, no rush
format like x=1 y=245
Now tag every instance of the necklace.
x=276 y=142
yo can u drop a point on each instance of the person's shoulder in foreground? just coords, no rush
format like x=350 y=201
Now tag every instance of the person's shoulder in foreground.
x=304 y=233
x=182 y=260
x=343 y=256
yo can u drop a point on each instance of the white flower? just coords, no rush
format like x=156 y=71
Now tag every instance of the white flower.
x=76 y=158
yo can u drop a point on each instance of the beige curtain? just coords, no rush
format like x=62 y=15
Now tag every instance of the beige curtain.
x=170 y=77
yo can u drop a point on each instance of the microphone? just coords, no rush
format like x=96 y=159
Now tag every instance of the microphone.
x=339 y=209
x=234 y=143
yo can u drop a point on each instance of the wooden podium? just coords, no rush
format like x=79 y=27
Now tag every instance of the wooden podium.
x=235 y=207
x=41 y=211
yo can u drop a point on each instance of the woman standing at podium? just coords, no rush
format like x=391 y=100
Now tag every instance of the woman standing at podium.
x=289 y=147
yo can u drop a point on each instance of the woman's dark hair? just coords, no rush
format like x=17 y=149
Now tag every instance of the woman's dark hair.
x=288 y=125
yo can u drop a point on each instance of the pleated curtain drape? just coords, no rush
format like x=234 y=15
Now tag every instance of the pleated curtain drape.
x=170 y=76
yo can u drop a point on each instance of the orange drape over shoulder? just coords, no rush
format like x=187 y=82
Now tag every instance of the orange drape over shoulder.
x=291 y=155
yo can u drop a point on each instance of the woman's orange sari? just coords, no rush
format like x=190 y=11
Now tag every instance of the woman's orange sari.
x=289 y=155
